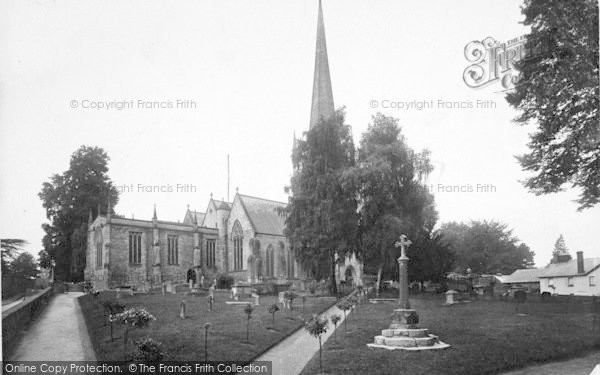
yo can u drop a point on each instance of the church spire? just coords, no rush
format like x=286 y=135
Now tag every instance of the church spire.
x=322 y=97
x=154 y=215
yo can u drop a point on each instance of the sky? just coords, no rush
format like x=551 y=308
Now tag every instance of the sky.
x=169 y=89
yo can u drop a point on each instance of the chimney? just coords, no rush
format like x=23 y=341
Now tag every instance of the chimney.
x=580 y=262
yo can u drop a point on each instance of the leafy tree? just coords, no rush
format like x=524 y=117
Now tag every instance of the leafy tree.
x=430 y=258
x=316 y=327
x=486 y=247
x=335 y=319
x=68 y=199
x=321 y=215
x=10 y=249
x=559 y=90
x=561 y=252
x=272 y=310
x=44 y=259
x=389 y=181
x=24 y=265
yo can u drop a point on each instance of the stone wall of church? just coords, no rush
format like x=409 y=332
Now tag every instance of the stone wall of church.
x=280 y=251
x=121 y=271
x=237 y=213
x=176 y=272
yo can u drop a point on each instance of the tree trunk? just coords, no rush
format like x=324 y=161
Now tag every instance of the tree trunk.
x=378 y=285
x=320 y=357
x=334 y=289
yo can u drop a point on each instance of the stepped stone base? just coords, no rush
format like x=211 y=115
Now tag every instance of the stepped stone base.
x=404 y=334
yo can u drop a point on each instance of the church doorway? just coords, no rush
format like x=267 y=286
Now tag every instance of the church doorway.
x=349 y=275
x=191 y=275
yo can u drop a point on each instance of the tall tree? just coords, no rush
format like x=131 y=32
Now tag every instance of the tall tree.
x=68 y=198
x=486 y=247
x=388 y=179
x=10 y=248
x=24 y=266
x=559 y=89
x=321 y=215
x=561 y=252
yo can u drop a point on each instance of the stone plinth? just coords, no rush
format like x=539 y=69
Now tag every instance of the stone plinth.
x=404 y=318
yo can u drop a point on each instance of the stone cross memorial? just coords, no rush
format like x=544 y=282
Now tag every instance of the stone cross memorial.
x=403 y=332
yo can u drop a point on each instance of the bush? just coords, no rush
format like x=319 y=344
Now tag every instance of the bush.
x=224 y=281
x=148 y=350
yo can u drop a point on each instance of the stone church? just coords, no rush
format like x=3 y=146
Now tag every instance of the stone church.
x=243 y=238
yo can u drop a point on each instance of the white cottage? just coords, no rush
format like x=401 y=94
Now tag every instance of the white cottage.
x=580 y=277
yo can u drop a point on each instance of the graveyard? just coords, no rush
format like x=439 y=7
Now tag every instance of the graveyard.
x=184 y=338
x=485 y=337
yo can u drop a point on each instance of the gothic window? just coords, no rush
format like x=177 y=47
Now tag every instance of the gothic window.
x=238 y=249
x=135 y=247
x=172 y=249
x=290 y=264
x=98 y=241
x=210 y=253
x=270 y=261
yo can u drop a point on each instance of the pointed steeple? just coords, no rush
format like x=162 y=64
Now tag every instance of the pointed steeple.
x=294 y=151
x=154 y=215
x=322 y=97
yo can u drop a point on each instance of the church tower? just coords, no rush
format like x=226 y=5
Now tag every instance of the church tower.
x=322 y=96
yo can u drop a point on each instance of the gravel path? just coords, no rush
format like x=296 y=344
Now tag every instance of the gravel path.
x=293 y=353
x=577 y=366
x=59 y=334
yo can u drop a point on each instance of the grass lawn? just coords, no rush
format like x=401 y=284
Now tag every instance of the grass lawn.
x=183 y=339
x=486 y=337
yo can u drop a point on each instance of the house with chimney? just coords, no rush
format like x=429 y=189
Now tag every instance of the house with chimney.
x=580 y=277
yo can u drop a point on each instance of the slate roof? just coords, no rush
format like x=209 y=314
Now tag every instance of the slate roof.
x=569 y=268
x=222 y=204
x=529 y=275
x=263 y=214
x=189 y=215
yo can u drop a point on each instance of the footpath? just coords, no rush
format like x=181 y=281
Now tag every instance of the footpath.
x=59 y=334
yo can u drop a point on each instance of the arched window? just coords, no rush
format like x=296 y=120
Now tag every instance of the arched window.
x=98 y=241
x=270 y=261
x=237 y=235
x=290 y=264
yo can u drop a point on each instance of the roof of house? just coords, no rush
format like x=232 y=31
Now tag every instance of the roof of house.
x=264 y=214
x=566 y=269
x=528 y=275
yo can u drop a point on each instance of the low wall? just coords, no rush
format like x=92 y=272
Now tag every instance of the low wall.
x=16 y=319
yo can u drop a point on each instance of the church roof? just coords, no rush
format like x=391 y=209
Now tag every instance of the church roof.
x=528 y=275
x=191 y=215
x=264 y=215
x=222 y=204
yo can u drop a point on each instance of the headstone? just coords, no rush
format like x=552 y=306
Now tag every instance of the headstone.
x=210 y=302
x=234 y=293
x=211 y=291
x=202 y=281
x=256 y=299
x=182 y=309
x=191 y=283
x=282 y=298
x=450 y=297
x=163 y=288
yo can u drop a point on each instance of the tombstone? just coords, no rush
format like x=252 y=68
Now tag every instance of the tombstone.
x=234 y=293
x=282 y=298
x=171 y=288
x=211 y=291
x=163 y=288
x=202 y=281
x=450 y=297
x=256 y=299
x=210 y=302
x=182 y=309
x=191 y=283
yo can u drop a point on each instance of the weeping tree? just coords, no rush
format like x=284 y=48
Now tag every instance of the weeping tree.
x=321 y=217
x=389 y=179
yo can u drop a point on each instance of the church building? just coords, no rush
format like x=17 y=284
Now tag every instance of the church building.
x=243 y=238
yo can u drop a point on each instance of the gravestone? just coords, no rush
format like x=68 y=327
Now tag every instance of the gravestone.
x=211 y=291
x=282 y=298
x=234 y=293
x=182 y=309
x=451 y=297
x=256 y=299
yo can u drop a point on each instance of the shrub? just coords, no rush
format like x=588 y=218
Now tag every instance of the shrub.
x=224 y=281
x=132 y=318
x=316 y=327
x=148 y=350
